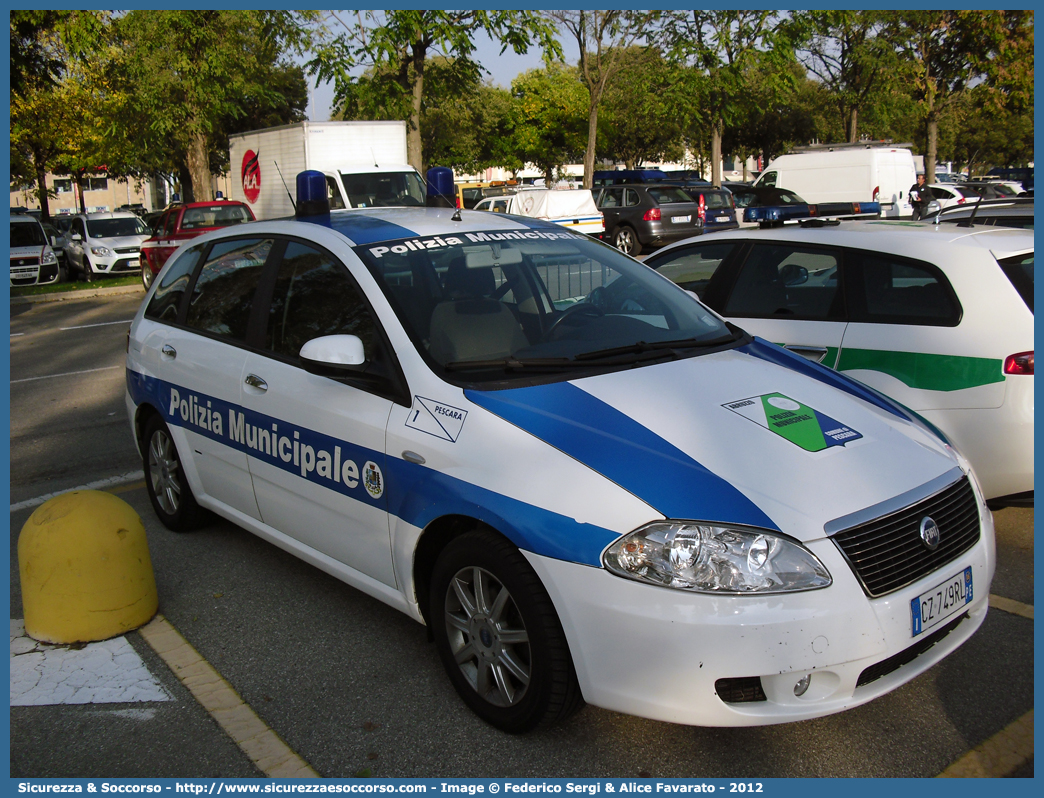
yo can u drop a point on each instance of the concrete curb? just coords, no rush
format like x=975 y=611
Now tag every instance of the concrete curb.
x=61 y=296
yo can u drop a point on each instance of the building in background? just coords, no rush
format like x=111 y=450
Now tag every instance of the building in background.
x=103 y=194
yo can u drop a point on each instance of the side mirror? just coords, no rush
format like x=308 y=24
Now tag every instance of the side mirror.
x=54 y=241
x=333 y=354
x=77 y=237
x=792 y=274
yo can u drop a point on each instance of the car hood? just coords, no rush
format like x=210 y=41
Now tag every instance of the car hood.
x=118 y=242
x=25 y=252
x=747 y=436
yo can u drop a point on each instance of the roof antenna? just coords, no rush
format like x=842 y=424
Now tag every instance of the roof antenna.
x=374 y=156
x=970 y=221
x=294 y=204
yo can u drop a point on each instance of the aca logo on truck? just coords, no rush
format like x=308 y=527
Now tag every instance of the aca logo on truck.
x=251 y=174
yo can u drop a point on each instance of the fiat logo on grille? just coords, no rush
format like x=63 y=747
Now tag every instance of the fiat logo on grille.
x=930 y=533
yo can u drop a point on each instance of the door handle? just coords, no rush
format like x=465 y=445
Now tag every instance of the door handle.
x=813 y=353
x=256 y=382
x=169 y=351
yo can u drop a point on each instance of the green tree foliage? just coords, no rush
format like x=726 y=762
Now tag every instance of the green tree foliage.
x=35 y=61
x=58 y=95
x=602 y=38
x=643 y=110
x=720 y=44
x=946 y=52
x=551 y=117
x=393 y=47
x=190 y=76
x=846 y=50
x=772 y=120
x=471 y=132
x=988 y=135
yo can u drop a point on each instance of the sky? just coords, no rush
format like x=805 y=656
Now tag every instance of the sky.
x=502 y=70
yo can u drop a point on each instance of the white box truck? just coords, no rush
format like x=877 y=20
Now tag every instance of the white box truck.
x=847 y=173
x=364 y=163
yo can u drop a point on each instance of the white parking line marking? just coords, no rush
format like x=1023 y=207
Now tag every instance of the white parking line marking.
x=100 y=324
x=15 y=335
x=101 y=484
x=106 y=672
x=65 y=374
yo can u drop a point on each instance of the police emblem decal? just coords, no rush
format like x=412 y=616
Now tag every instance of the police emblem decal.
x=930 y=534
x=373 y=479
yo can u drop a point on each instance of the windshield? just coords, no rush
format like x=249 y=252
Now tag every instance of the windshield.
x=27 y=234
x=668 y=195
x=500 y=306
x=384 y=189
x=1020 y=271
x=111 y=228
x=214 y=216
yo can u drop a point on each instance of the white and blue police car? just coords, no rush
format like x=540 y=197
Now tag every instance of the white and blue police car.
x=588 y=485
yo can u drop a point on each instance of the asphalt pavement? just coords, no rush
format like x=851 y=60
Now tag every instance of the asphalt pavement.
x=355 y=688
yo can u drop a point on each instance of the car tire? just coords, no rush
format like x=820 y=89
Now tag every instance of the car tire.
x=165 y=480
x=498 y=635
x=146 y=274
x=626 y=240
x=86 y=273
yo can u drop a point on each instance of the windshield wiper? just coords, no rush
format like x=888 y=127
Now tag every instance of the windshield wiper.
x=513 y=364
x=656 y=346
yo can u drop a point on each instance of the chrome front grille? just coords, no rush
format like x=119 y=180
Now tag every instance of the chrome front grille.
x=887 y=553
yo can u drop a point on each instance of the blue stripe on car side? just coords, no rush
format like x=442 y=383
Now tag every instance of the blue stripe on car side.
x=763 y=350
x=622 y=450
x=419 y=495
x=416 y=494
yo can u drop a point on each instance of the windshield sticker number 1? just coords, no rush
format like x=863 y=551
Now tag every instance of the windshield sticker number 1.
x=436 y=418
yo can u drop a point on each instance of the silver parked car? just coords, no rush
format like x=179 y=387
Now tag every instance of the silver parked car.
x=105 y=243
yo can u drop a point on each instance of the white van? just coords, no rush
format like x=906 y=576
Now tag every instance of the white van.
x=847 y=174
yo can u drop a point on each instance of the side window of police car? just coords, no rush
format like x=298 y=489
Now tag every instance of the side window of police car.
x=694 y=266
x=786 y=281
x=166 y=301
x=223 y=294
x=314 y=296
x=890 y=290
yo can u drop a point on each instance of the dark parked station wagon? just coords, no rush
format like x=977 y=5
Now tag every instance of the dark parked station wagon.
x=640 y=216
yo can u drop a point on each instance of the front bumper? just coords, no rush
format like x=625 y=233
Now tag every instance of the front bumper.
x=659 y=653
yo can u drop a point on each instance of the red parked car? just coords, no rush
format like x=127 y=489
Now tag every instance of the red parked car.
x=181 y=222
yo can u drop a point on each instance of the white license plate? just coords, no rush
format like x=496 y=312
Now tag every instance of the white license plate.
x=721 y=219
x=942 y=601
x=135 y=262
x=681 y=219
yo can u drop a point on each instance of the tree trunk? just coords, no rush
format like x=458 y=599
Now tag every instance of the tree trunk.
x=414 y=147
x=199 y=167
x=41 y=191
x=933 y=145
x=592 y=140
x=853 y=119
x=715 y=153
x=79 y=186
x=183 y=187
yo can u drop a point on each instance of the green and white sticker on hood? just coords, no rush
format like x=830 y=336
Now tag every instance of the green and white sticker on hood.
x=798 y=423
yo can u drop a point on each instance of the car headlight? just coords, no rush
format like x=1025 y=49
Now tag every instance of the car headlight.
x=705 y=558
x=101 y=252
x=49 y=257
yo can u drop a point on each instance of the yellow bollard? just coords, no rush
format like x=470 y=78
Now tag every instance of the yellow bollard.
x=85 y=569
